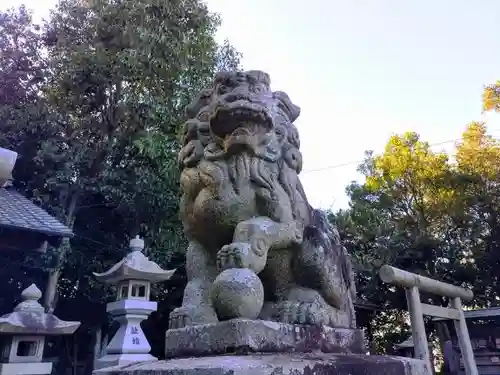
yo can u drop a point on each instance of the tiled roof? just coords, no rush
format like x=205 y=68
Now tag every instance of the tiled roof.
x=18 y=212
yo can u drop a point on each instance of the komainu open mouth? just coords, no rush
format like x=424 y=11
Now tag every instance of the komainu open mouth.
x=240 y=117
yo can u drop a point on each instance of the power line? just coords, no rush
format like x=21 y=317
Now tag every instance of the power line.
x=360 y=161
x=332 y=167
x=105 y=246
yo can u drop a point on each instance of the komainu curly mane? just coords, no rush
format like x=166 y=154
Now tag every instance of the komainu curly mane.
x=240 y=163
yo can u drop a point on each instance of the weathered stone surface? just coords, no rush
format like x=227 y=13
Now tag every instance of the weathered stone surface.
x=237 y=293
x=110 y=360
x=23 y=335
x=277 y=364
x=43 y=368
x=243 y=206
x=246 y=336
x=29 y=317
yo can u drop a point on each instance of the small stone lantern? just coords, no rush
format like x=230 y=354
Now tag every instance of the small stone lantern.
x=23 y=333
x=133 y=276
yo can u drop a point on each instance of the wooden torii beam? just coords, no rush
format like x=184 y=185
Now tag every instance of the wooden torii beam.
x=414 y=284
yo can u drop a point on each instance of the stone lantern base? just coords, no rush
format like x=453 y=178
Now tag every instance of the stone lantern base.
x=43 y=368
x=110 y=360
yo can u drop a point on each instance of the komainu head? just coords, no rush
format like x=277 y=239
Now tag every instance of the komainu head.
x=239 y=113
x=246 y=131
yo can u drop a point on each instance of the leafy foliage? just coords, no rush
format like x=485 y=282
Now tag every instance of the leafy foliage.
x=426 y=212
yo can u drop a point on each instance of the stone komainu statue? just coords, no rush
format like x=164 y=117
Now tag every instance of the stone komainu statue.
x=243 y=206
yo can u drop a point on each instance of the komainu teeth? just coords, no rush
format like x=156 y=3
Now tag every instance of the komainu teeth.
x=245 y=114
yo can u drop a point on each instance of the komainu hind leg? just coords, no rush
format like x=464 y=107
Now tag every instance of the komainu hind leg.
x=291 y=303
x=317 y=311
x=286 y=301
x=305 y=306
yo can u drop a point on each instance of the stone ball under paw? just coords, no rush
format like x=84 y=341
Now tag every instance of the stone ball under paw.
x=237 y=293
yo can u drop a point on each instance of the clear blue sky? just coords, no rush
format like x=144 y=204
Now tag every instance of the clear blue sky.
x=364 y=69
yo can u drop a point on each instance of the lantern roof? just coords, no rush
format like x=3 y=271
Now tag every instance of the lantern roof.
x=29 y=317
x=135 y=266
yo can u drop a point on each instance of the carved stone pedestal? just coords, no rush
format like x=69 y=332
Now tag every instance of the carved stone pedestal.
x=242 y=336
x=277 y=364
x=257 y=347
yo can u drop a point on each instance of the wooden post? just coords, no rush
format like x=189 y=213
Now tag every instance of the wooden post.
x=420 y=344
x=464 y=339
x=414 y=284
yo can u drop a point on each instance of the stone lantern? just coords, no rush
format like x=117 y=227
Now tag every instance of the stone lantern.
x=23 y=335
x=7 y=161
x=133 y=276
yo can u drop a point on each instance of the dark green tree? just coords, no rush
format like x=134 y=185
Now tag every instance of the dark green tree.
x=121 y=74
x=24 y=121
x=411 y=212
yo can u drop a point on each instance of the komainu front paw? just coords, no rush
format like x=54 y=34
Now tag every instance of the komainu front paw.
x=293 y=312
x=241 y=255
x=191 y=315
